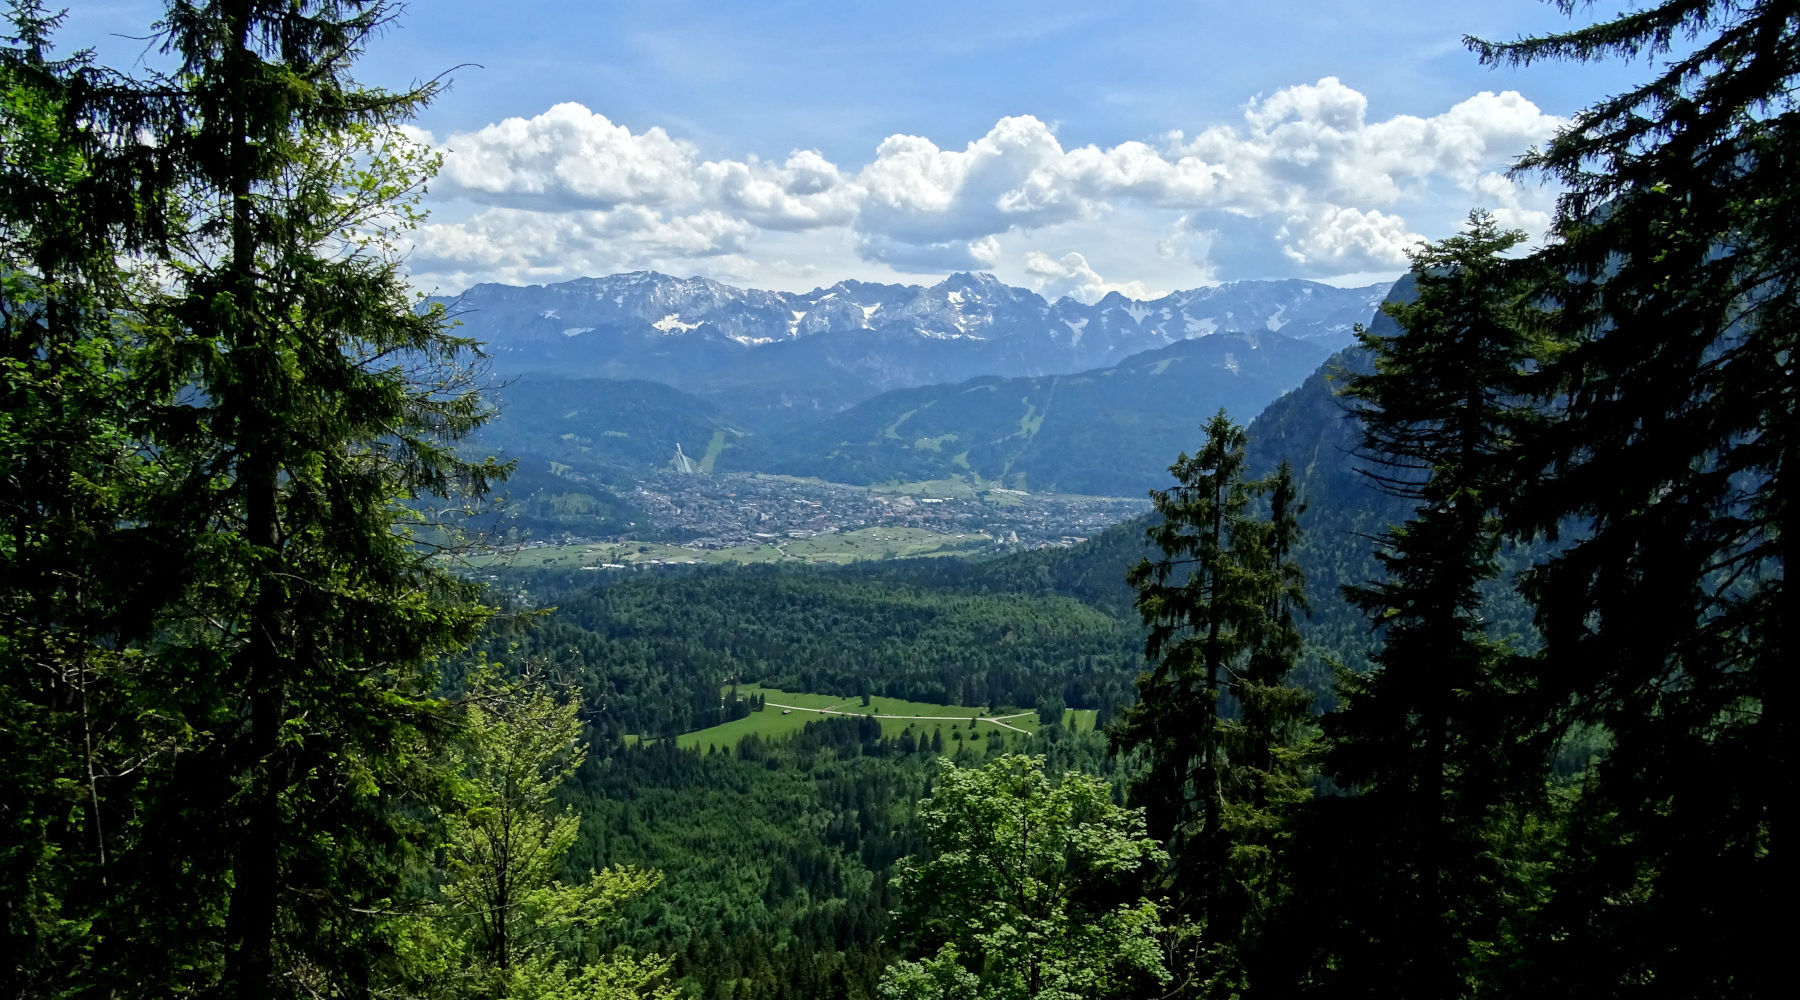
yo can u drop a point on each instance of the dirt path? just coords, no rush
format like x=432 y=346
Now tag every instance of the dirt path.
x=998 y=720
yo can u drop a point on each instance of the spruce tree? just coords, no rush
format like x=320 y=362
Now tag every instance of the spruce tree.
x=1423 y=737
x=1667 y=620
x=78 y=567
x=1219 y=606
x=286 y=405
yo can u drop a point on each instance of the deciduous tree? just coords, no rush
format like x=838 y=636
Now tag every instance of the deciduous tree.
x=1031 y=889
x=508 y=925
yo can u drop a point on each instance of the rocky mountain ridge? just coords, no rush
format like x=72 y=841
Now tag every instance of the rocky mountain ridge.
x=701 y=335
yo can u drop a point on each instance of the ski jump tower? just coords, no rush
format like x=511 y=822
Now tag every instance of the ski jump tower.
x=684 y=464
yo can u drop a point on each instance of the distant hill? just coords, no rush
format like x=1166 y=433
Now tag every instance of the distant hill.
x=610 y=428
x=1111 y=431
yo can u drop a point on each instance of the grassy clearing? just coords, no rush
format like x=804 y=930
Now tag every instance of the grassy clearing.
x=959 y=488
x=713 y=448
x=1032 y=420
x=951 y=720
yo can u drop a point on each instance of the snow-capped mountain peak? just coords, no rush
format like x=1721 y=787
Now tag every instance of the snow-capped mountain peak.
x=884 y=332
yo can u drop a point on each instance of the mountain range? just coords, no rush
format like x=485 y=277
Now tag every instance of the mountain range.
x=798 y=355
x=866 y=383
x=1111 y=431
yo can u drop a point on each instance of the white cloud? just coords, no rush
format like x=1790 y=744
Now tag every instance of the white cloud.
x=518 y=246
x=918 y=193
x=1343 y=240
x=805 y=192
x=568 y=157
x=1303 y=183
x=1070 y=275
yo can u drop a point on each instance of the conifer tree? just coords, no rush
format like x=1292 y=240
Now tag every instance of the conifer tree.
x=1423 y=737
x=1267 y=739
x=78 y=566
x=1219 y=607
x=1668 y=621
x=285 y=402
x=300 y=337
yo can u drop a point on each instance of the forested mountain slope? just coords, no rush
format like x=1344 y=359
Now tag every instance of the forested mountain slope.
x=1110 y=431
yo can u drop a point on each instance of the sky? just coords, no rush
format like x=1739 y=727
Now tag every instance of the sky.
x=1071 y=148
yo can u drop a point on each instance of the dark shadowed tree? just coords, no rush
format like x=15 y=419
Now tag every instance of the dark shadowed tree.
x=1424 y=737
x=1669 y=622
x=1219 y=605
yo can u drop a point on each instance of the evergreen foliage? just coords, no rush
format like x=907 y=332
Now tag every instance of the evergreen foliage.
x=651 y=651
x=82 y=544
x=258 y=419
x=1219 y=606
x=1669 y=623
x=1424 y=736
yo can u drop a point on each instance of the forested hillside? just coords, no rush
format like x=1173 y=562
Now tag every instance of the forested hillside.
x=651 y=652
x=1110 y=432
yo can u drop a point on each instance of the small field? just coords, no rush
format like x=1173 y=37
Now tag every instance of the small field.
x=896 y=716
x=976 y=488
x=834 y=548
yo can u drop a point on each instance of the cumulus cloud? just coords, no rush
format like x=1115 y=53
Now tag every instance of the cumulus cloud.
x=1071 y=276
x=1006 y=180
x=568 y=158
x=516 y=245
x=1343 y=240
x=1304 y=174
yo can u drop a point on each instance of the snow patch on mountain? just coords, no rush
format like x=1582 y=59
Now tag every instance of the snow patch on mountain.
x=672 y=322
x=609 y=324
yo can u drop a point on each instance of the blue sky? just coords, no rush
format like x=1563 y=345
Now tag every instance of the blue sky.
x=1070 y=147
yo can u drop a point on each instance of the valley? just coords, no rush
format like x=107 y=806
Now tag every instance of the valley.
x=755 y=518
x=1029 y=425
x=731 y=511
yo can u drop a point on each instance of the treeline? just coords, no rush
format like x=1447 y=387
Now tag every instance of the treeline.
x=651 y=651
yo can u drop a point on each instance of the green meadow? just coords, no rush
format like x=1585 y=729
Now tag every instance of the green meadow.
x=895 y=715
